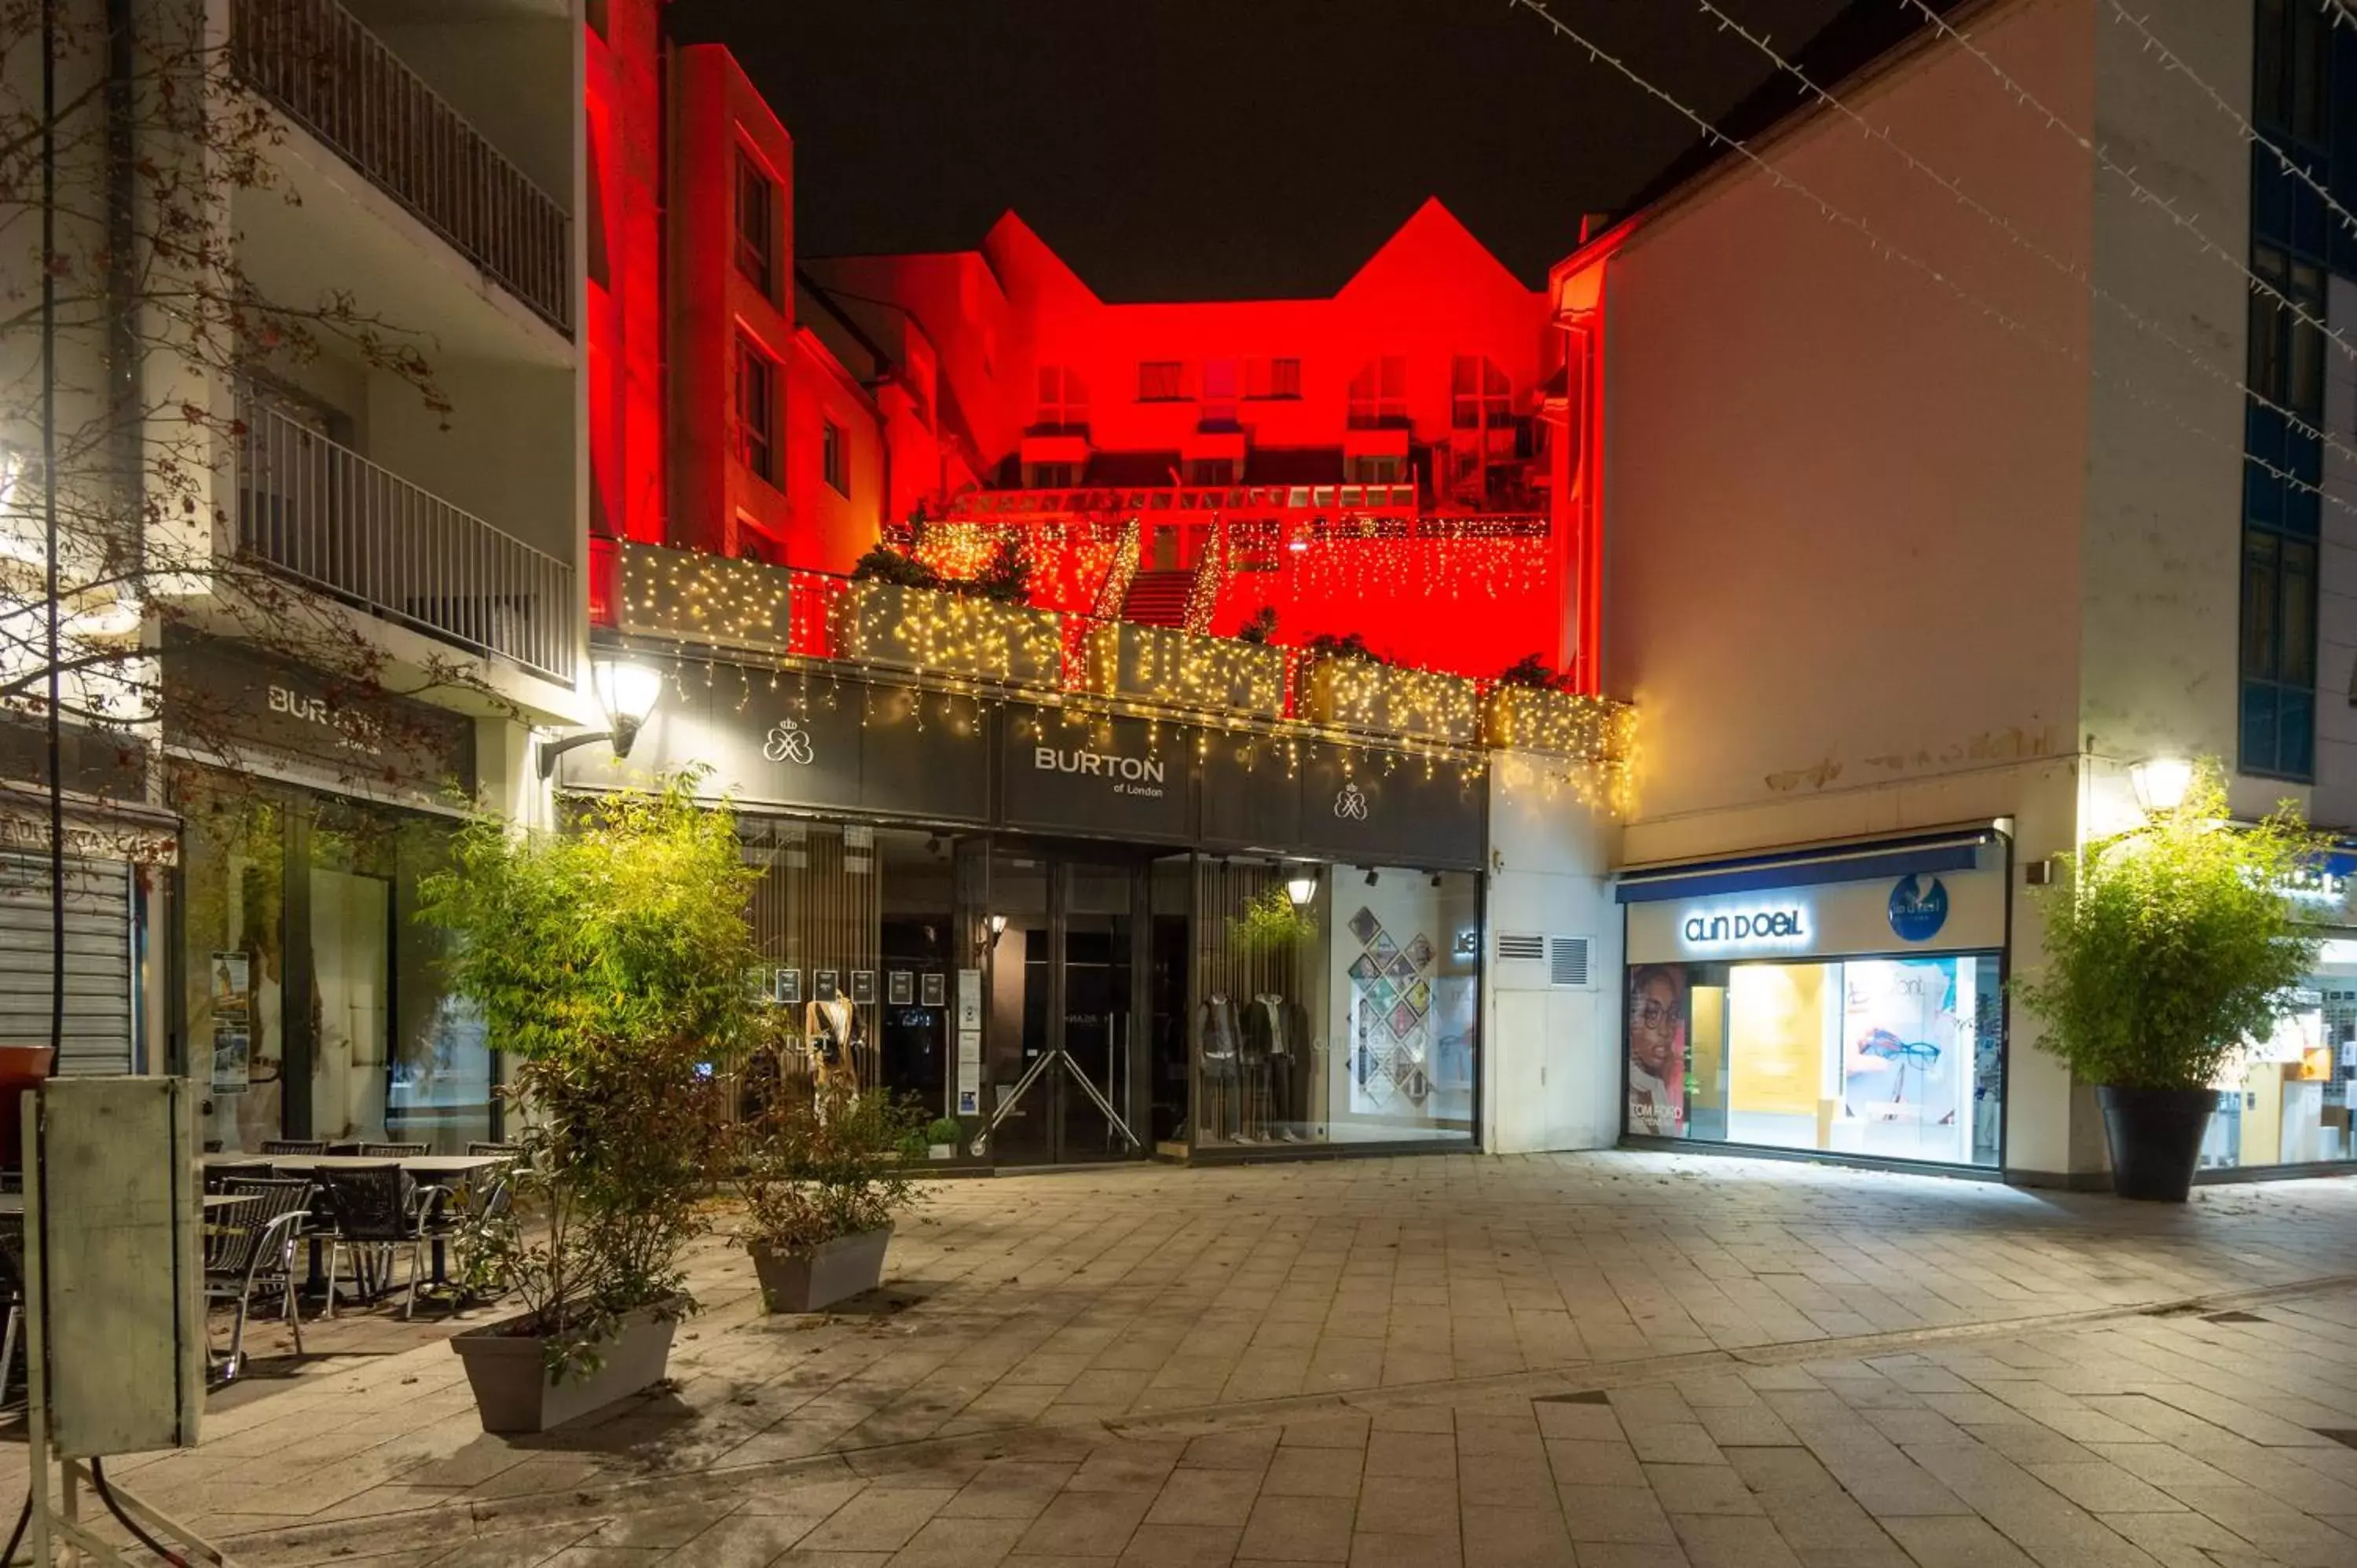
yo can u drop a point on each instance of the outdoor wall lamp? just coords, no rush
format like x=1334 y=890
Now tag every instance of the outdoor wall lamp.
x=2160 y=782
x=998 y=929
x=1302 y=886
x=626 y=692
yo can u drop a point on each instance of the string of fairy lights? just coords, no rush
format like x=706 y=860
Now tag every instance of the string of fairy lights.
x=1882 y=245
x=1759 y=44
x=2186 y=222
x=953 y=656
x=2251 y=134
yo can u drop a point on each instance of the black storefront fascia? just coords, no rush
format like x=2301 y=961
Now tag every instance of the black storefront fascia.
x=829 y=745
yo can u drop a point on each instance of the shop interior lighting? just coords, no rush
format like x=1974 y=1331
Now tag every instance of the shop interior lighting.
x=627 y=690
x=2160 y=782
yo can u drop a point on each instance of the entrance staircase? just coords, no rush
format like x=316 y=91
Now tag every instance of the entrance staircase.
x=1158 y=598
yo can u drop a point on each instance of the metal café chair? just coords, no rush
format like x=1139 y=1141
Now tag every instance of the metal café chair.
x=389 y=1151
x=253 y=1246
x=496 y=1196
x=374 y=1211
x=294 y=1145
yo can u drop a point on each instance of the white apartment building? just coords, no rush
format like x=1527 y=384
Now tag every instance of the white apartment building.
x=375 y=520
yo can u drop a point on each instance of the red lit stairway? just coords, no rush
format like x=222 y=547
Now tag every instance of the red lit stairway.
x=1158 y=598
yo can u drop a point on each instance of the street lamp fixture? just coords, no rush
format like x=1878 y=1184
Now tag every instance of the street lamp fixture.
x=2160 y=782
x=625 y=691
x=1302 y=886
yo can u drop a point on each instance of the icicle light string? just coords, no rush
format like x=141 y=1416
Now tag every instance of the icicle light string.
x=2190 y=225
x=1882 y=246
x=1954 y=189
x=2249 y=133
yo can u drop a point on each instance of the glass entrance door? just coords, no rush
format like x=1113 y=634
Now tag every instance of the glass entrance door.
x=1065 y=1048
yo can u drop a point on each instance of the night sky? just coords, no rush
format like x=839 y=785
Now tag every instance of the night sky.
x=1175 y=149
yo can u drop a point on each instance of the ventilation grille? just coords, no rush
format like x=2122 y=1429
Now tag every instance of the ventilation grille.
x=1528 y=945
x=1568 y=961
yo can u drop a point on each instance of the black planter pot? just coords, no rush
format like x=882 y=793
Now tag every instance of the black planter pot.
x=2155 y=1138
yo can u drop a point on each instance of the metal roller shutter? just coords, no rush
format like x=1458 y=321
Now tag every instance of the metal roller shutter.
x=98 y=1037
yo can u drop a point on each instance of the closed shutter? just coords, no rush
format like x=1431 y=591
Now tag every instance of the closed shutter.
x=98 y=961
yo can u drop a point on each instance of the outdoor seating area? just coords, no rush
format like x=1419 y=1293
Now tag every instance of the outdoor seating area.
x=368 y=1220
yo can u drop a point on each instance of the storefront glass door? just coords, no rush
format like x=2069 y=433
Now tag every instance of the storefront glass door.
x=1064 y=1045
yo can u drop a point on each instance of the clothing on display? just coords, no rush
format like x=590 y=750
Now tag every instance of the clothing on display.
x=1222 y=1042
x=1276 y=1053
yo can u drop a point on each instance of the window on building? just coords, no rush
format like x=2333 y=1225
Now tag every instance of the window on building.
x=833 y=461
x=1210 y=470
x=2288 y=88
x=757 y=225
x=1478 y=393
x=2279 y=654
x=1379 y=393
x=755 y=426
x=1266 y=379
x=1064 y=407
x=595 y=14
x=1373 y=471
x=2288 y=339
x=1219 y=398
x=1050 y=475
x=1161 y=381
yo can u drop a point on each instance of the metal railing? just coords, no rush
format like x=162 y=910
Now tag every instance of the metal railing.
x=317 y=62
x=325 y=515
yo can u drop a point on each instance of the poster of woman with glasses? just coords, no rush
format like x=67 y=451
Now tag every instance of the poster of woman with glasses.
x=1657 y=1051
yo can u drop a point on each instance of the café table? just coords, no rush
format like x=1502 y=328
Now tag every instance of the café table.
x=427 y=1170
x=13 y=1203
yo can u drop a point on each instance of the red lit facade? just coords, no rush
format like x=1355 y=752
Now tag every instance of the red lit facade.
x=1392 y=460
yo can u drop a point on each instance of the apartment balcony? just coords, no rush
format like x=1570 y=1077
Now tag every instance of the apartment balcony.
x=1021 y=505
x=324 y=516
x=325 y=71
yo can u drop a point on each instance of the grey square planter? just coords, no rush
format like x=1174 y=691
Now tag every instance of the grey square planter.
x=509 y=1377
x=831 y=1271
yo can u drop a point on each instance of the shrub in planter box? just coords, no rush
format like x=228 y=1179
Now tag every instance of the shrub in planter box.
x=2167 y=948
x=1362 y=695
x=823 y=1177
x=948 y=633
x=942 y=1137
x=608 y=959
x=1162 y=665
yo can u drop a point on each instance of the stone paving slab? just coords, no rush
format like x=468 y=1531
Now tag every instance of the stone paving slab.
x=1620 y=1357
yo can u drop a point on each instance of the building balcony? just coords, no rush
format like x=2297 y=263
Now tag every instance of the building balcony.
x=324 y=71
x=324 y=516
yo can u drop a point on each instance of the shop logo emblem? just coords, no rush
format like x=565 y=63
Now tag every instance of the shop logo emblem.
x=1918 y=912
x=1351 y=805
x=788 y=742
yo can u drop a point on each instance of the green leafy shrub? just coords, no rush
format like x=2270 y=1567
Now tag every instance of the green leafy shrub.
x=1270 y=923
x=1534 y=674
x=816 y=1167
x=1261 y=628
x=609 y=959
x=882 y=563
x=2170 y=946
x=945 y=1130
x=1351 y=646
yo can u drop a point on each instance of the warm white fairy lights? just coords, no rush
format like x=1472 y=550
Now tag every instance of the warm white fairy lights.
x=1156 y=664
x=1361 y=694
x=951 y=634
x=710 y=599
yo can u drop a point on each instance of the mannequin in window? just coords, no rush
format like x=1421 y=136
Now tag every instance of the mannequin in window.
x=828 y=1032
x=1274 y=1037
x=1221 y=1039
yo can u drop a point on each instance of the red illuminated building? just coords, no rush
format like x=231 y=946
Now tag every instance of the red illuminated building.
x=1397 y=460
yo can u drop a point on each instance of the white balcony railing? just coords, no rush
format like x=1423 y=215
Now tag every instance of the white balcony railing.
x=325 y=516
x=315 y=61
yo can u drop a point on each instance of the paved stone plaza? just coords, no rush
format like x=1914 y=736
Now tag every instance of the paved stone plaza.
x=1616 y=1360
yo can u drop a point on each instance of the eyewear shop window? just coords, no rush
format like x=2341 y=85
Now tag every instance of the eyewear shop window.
x=1743 y=1028
x=1339 y=1008
x=2285 y=1100
x=313 y=1007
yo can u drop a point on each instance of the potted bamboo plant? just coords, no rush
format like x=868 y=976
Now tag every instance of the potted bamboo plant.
x=823 y=1177
x=2167 y=948
x=608 y=961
